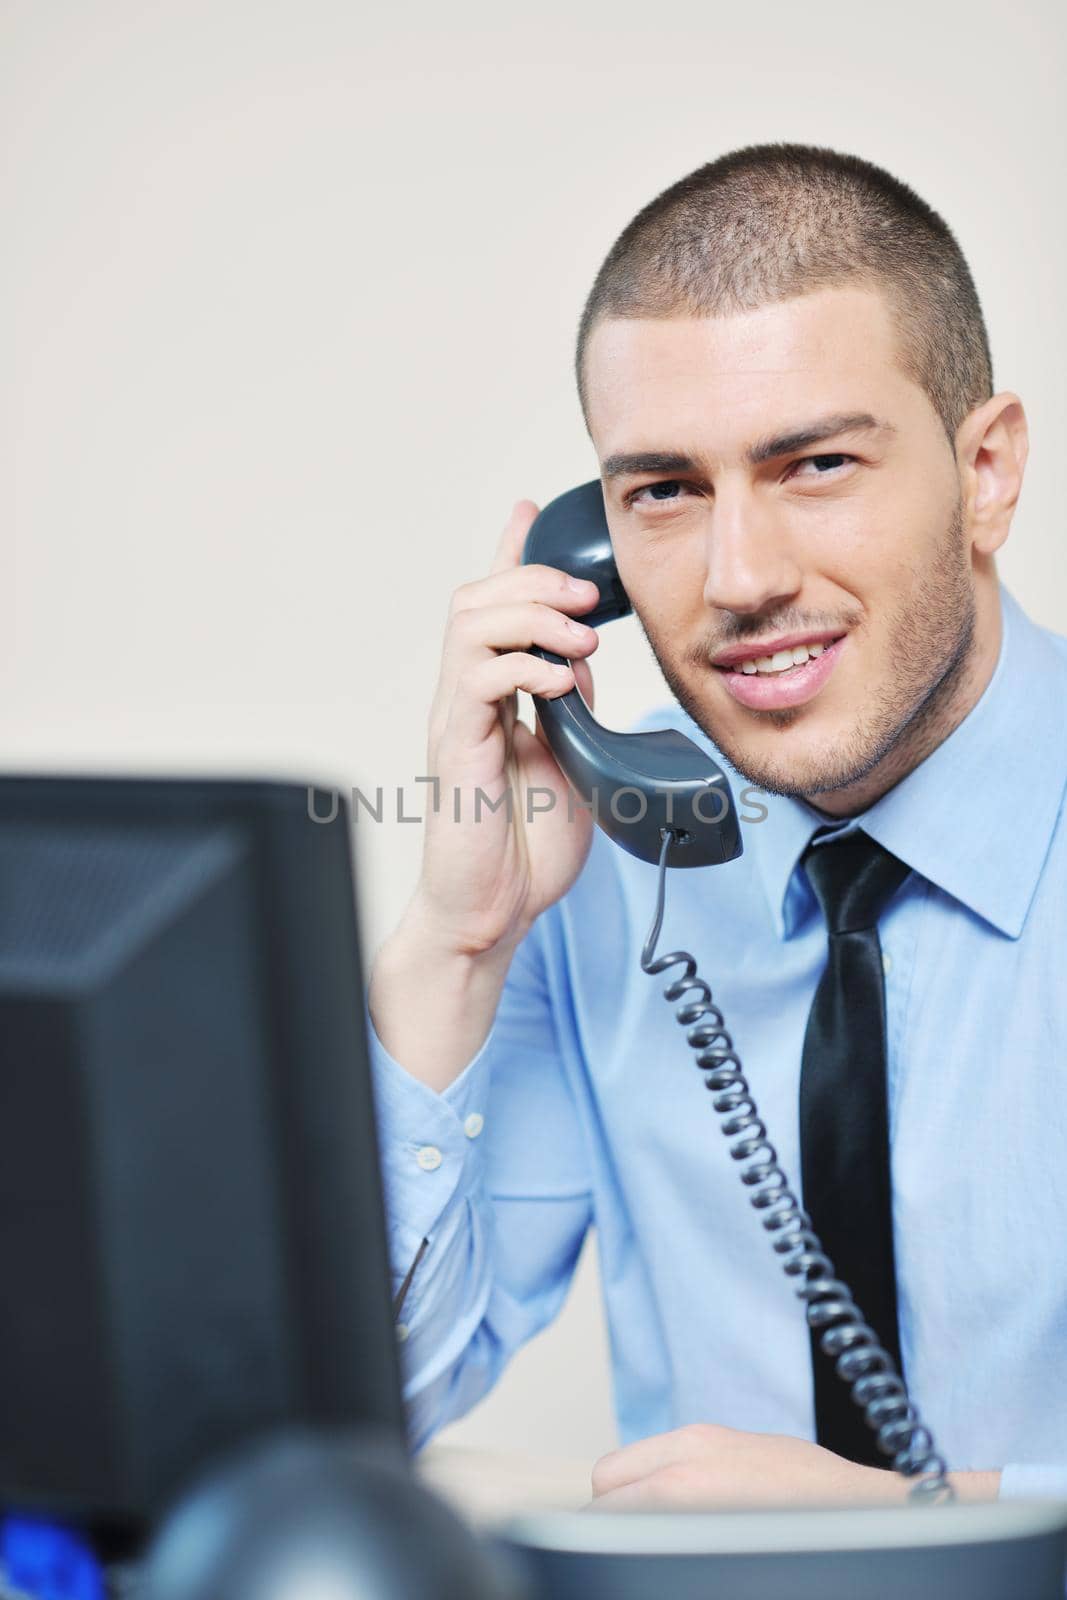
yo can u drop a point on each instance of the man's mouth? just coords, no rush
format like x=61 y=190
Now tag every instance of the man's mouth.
x=779 y=673
x=778 y=653
x=782 y=660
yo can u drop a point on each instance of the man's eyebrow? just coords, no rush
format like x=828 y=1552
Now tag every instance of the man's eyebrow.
x=633 y=463
x=647 y=461
x=785 y=444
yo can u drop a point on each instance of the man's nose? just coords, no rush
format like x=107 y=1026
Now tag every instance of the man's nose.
x=751 y=564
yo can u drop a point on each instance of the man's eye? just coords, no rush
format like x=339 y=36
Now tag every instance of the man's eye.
x=668 y=489
x=821 y=464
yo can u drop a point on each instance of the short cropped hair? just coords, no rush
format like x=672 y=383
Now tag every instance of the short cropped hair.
x=773 y=221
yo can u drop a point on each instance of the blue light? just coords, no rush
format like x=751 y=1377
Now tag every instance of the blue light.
x=48 y=1563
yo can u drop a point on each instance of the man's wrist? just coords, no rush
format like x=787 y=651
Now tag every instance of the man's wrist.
x=416 y=948
x=433 y=938
x=432 y=1006
x=887 y=1487
x=976 y=1485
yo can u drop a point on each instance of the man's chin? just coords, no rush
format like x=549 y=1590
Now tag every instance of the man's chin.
x=799 y=769
x=803 y=752
x=793 y=784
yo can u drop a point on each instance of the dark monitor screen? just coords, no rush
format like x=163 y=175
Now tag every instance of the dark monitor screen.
x=191 y=1230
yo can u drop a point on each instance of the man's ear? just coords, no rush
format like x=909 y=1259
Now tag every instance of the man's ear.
x=992 y=444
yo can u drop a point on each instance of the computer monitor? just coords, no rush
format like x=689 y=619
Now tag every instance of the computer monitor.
x=191 y=1231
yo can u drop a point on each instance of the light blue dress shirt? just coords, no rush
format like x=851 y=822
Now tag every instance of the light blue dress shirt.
x=584 y=1108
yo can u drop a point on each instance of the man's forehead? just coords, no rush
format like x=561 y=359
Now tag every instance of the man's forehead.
x=745 y=376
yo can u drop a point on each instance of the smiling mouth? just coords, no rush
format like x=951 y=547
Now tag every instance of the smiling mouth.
x=782 y=679
x=779 y=662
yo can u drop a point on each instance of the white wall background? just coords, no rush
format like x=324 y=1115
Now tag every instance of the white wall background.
x=289 y=289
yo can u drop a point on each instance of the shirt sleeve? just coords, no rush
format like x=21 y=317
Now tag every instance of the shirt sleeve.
x=488 y=1200
x=1034 y=1481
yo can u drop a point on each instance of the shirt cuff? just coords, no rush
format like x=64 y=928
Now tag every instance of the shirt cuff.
x=428 y=1142
x=1034 y=1481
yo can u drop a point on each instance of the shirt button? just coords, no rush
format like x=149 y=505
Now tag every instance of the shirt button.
x=402 y=1331
x=429 y=1158
x=473 y=1124
x=887 y=962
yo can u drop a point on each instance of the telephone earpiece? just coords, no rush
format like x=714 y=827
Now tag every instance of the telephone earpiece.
x=640 y=785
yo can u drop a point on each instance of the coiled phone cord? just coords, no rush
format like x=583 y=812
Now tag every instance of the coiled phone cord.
x=860 y=1359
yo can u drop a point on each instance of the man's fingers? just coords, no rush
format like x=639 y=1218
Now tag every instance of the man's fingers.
x=628 y=1497
x=634 y=1463
x=677 y=1488
x=646 y=1456
x=473 y=712
x=509 y=549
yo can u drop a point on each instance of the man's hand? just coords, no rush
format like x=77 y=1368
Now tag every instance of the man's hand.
x=707 y=1466
x=502 y=839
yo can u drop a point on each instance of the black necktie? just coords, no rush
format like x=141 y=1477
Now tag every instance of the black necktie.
x=844 y=1124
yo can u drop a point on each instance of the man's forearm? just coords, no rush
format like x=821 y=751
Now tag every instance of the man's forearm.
x=883 y=1485
x=432 y=1009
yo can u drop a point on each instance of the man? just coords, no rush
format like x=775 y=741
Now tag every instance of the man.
x=786 y=377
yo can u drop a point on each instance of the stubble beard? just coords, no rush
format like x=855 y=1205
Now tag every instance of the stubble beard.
x=932 y=639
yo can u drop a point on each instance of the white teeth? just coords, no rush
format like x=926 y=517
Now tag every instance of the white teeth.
x=781 y=660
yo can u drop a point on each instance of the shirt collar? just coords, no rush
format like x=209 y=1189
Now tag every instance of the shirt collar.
x=976 y=817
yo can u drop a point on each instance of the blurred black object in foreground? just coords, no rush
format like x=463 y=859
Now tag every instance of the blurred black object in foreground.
x=304 y=1517
x=191 y=1223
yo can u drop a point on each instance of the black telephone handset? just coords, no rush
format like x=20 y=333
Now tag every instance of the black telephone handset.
x=679 y=812
x=641 y=785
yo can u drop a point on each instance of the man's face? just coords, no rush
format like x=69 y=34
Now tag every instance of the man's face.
x=775 y=482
